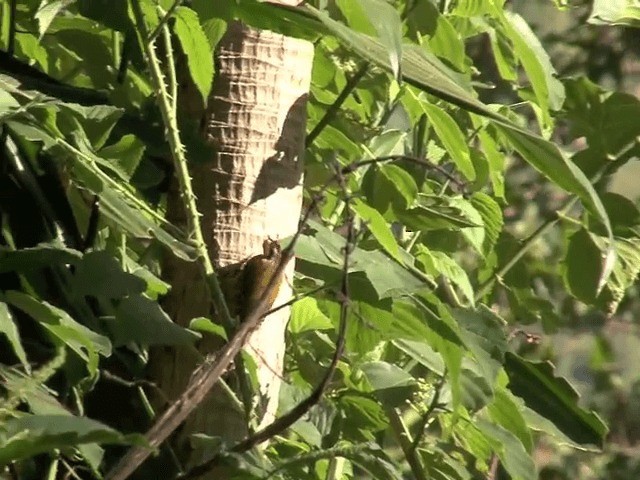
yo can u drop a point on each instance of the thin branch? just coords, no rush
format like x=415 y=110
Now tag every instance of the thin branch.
x=163 y=21
x=331 y=112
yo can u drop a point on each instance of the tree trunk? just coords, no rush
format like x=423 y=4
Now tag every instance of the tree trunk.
x=250 y=191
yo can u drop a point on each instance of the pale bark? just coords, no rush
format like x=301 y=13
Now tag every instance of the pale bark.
x=250 y=191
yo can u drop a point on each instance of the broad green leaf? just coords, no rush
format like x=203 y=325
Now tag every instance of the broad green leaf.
x=400 y=181
x=475 y=235
x=375 y=462
x=101 y=276
x=111 y=13
x=10 y=331
x=204 y=325
x=388 y=26
x=197 y=48
x=513 y=456
x=211 y=19
x=83 y=341
x=616 y=12
x=422 y=353
x=390 y=142
x=379 y=228
x=47 y=12
x=506 y=410
x=383 y=375
x=553 y=398
x=496 y=162
x=324 y=247
x=548 y=90
x=124 y=156
x=305 y=316
x=96 y=121
x=583 y=266
x=451 y=137
x=29 y=435
x=438 y=263
x=432 y=212
x=41 y=256
x=492 y=220
x=482 y=331
x=441 y=334
x=41 y=401
x=141 y=320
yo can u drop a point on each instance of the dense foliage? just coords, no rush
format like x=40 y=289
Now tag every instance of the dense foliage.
x=482 y=225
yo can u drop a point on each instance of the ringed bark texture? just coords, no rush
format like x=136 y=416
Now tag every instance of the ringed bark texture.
x=250 y=191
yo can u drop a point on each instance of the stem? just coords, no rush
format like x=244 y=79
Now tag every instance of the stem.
x=163 y=22
x=180 y=162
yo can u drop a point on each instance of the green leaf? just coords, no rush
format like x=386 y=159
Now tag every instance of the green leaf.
x=47 y=12
x=100 y=275
x=513 y=456
x=553 y=398
x=548 y=90
x=324 y=247
x=482 y=332
x=124 y=156
x=506 y=410
x=141 y=320
x=204 y=325
x=41 y=256
x=438 y=263
x=197 y=48
x=96 y=121
x=10 y=330
x=83 y=341
x=388 y=25
x=383 y=375
x=616 y=12
x=492 y=220
x=583 y=266
x=400 y=181
x=41 y=402
x=422 y=353
x=379 y=228
x=451 y=137
x=30 y=435
x=435 y=213
x=305 y=316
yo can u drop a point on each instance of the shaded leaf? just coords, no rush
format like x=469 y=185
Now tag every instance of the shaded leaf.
x=10 y=331
x=553 y=398
x=141 y=320
x=30 y=435
x=197 y=48
x=41 y=256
